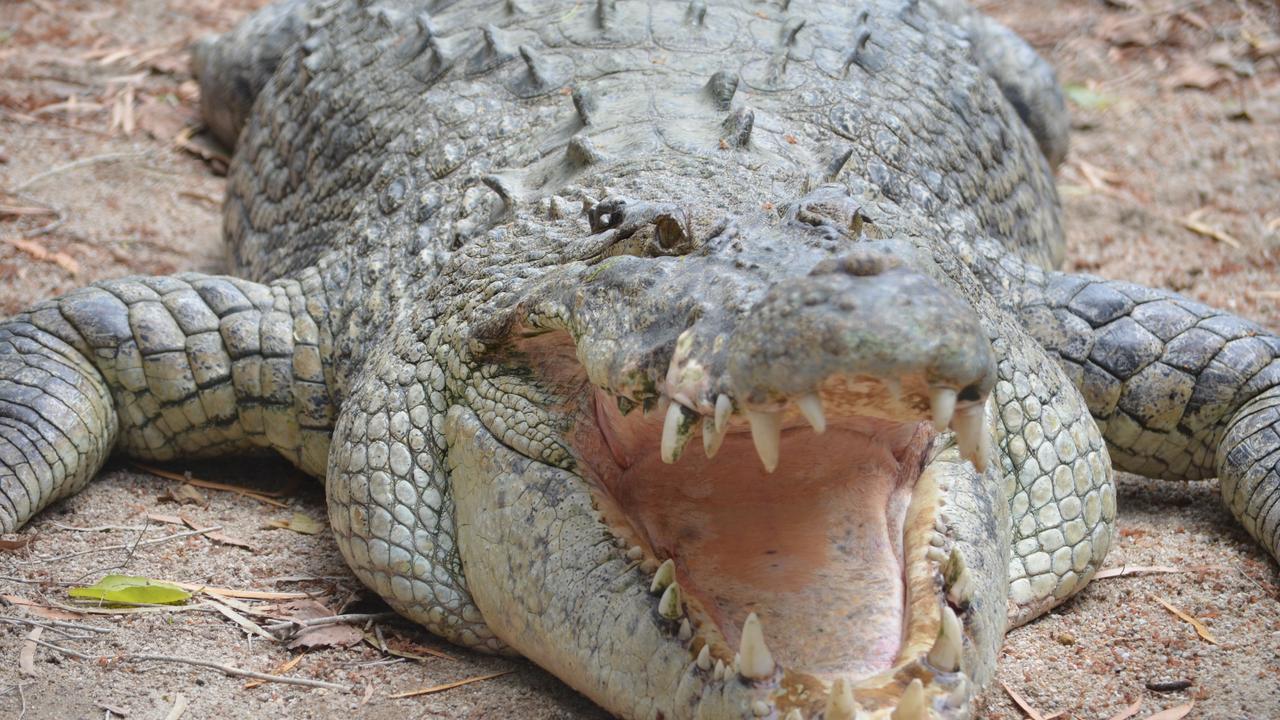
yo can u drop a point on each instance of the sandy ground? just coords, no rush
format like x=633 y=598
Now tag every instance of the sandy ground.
x=1173 y=180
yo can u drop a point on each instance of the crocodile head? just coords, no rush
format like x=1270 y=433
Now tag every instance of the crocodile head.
x=732 y=473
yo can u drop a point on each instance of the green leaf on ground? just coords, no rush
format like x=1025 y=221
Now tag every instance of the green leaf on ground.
x=131 y=590
x=1088 y=98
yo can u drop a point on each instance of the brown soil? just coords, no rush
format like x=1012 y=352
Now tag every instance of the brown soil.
x=1172 y=181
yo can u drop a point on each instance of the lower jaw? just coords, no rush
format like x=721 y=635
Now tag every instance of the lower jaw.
x=747 y=546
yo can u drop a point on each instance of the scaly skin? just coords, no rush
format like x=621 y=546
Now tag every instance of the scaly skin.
x=505 y=261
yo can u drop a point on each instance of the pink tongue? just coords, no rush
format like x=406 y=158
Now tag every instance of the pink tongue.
x=813 y=548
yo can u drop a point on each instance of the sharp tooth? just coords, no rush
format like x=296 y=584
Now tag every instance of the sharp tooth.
x=766 y=431
x=935 y=554
x=969 y=426
x=686 y=631
x=665 y=575
x=759 y=708
x=794 y=715
x=911 y=705
x=724 y=406
x=840 y=704
x=669 y=606
x=946 y=651
x=719 y=671
x=956 y=577
x=811 y=408
x=711 y=438
x=755 y=661
x=704 y=658
x=942 y=402
x=676 y=431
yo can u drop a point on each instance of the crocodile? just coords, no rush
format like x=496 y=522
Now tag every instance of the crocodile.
x=499 y=263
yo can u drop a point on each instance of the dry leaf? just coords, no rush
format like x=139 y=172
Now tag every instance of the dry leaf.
x=280 y=669
x=1128 y=712
x=1173 y=713
x=243 y=594
x=400 y=647
x=336 y=635
x=39 y=252
x=27 y=655
x=1201 y=630
x=299 y=523
x=16 y=543
x=1197 y=75
x=48 y=613
x=449 y=686
x=183 y=495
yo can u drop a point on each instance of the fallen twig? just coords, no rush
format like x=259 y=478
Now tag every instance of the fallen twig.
x=56 y=626
x=122 y=546
x=197 y=662
x=289 y=628
x=75 y=164
x=259 y=495
x=179 y=707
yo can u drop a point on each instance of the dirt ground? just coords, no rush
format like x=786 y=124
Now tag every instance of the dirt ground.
x=1173 y=180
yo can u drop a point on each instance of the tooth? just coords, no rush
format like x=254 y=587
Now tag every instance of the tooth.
x=704 y=658
x=766 y=431
x=635 y=553
x=719 y=671
x=755 y=661
x=724 y=406
x=911 y=705
x=840 y=704
x=711 y=438
x=958 y=582
x=794 y=715
x=894 y=388
x=676 y=431
x=665 y=575
x=946 y=651
x=759 y=708
x=935 y=554
x=811 y=408
x=968 y=425
x=669 y=606
x=942 y=402
x=686 y=631
x=960 y=693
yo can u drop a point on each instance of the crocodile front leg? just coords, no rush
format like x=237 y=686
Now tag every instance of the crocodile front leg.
x=1180 y=390
x=158 y=368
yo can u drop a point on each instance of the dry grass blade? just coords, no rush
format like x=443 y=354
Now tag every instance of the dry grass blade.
x=259 y=495
x=1126 y=570
x=1212 y=233
x=1128 y=712
x=280 y=669
x=244 y=622
x=459 y=683
x=1201 y=630
x=1022 y=703
x=1173 y=713
x=242 y=594
x=25 y=211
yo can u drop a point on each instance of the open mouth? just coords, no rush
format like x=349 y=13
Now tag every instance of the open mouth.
x=803 y=545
